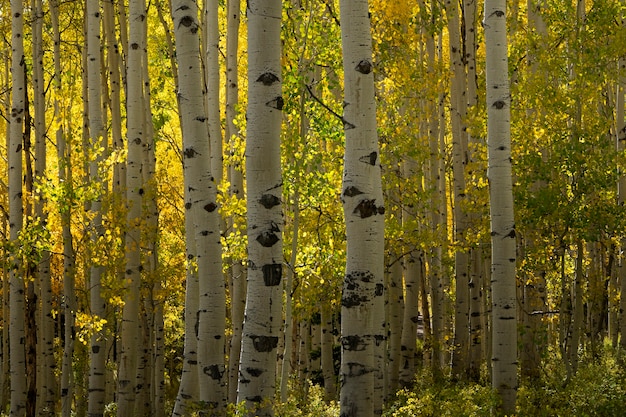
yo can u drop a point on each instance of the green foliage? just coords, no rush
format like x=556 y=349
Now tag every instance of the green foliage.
x=313 y=405
x=597 y=389
x=445 y=398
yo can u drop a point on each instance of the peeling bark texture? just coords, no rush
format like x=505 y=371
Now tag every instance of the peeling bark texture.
x=263 y=311
x=362 y=311
x=503 y=287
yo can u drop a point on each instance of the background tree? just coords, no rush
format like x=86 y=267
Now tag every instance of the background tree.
x=17 y=299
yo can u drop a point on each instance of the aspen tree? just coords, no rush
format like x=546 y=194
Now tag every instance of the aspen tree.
x=476 y=273
x=503 y=286
x=362 y=314
x=412 y=269
x=188 y=391
x=65 y=213
x=17 y=307
x=458 y=106
x=262 y=322
x=212 y=71
x=131 y=337
x=237 y=270
x=97 y=146
x=46 y=392
x=620 y=129
x=202 y=207
x=438 y=214
x=155 y=350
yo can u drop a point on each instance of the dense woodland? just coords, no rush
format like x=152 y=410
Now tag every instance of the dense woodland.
x=305 y=207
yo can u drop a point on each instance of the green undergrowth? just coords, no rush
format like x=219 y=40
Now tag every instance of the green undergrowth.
x=598 y=389
x=430 y=397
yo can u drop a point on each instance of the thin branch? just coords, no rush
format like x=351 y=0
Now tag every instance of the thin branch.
x=346 y=124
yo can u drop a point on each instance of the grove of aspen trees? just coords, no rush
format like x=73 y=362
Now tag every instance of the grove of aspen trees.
x=347 y=208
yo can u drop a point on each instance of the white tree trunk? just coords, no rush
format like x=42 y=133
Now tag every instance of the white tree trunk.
x=212 y=71
x=237 y=270
x=262 y=323
x=458 y=105
x=46 y=384
x=131 y=337
x=504 y=304
x=362 y=312
x=328 y=364
x=17 y=301
x=202 y=207
x=97 y=141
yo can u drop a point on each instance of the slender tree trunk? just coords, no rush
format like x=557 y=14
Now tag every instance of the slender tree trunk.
x=17 y=302
x=503 y=286
x=621 y=195
x=257 y=369
x=46 y=389
x=65 y=211
x=458 y=105
x=395 y=320
x=188 y=389
x=202 y=207
x=328 y=363
x=438 y=216
x=212 y=70
x=237 y=270
x=131 y=334
x=577 y=320
x=362 y=312
x=286 y=363
x=97 y=141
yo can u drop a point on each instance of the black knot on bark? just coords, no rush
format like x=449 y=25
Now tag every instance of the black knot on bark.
x=190 y=152
x=353 y=343
x=268 y=78
x=364 y=67
x=264 y=343
x=352 y=191
x=367 y=208
x=499 y=104
x=186 y=21
x=255 y=372
x=210 y=207
x=269 y=200
x=267 y=239
x=272 y=274
x=278 y=103
x=214 y=372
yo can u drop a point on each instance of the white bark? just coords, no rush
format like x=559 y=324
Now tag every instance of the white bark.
x=458 y=105
x=212 y=70
x=131 y=337
x=262 y=323
x=97 y=140
x=362 y=316
x=237 y=270
x=504 y=303
x=65 y=178
x=328 y=364
x=17 y=308
x=202 y=207
x=620 y=129
x=46 y=384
